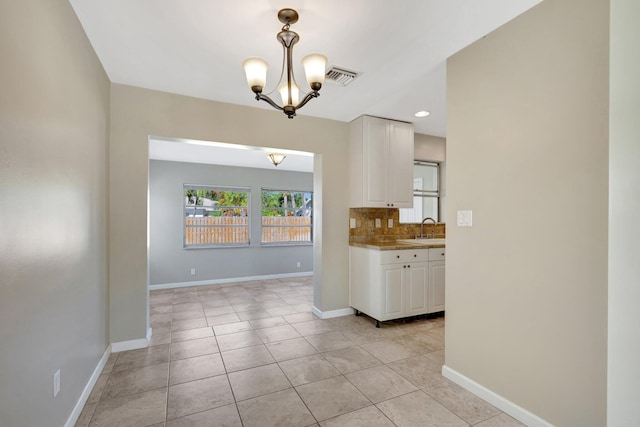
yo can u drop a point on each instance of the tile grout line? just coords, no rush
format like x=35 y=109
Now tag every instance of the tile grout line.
x=185 y=299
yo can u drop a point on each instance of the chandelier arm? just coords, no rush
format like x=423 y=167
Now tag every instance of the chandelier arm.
x=307 y=98
x=265 y=98
x=275 y=88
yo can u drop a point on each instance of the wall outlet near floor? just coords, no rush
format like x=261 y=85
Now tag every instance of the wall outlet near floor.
x=193 y=271
x=298 y=264
x=56 y=383
x=378 y=223
x=390 y=223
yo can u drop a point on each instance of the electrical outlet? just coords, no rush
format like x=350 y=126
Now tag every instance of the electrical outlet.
x=378 y=223
x=298 y=264
x=193 y=271
x=390 y=223
x=56 y=383
x=352 y=223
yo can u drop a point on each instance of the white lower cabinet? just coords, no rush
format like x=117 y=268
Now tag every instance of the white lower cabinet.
x=389 y=285
x=436 y=280
x=393 y=289
x=436 y=287
x=416 y=286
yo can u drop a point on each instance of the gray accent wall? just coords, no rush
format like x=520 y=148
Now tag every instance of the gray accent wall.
x=54 y=121
x=170 y=262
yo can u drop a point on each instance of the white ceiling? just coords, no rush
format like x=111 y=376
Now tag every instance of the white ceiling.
x=196 y=47
x=215 y=153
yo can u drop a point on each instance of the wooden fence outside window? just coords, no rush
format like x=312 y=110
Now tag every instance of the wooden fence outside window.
x=220 y=230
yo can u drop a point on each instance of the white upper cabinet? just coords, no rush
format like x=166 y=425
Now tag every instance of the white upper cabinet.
x=381 y=162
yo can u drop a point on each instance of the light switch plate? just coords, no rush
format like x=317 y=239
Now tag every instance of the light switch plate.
x=378 y=223
x=390 y=223
x=464 y=218
x=352 y=223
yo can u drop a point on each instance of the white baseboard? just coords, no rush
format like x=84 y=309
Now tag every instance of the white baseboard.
x=333 y=313
x=77 y=410
x=230 y=280
x=507 y=406
x=117 y=347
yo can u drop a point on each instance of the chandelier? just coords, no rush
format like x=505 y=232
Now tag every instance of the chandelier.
x=314 y=68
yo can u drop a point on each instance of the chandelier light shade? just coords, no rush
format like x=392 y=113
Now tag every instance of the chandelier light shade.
x=314 y=68
x=276 y=158
x=256 y=71
x=284 y=94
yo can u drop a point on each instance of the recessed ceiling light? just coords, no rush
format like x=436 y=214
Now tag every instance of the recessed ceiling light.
x=422 y=113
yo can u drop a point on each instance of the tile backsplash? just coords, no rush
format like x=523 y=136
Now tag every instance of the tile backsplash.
x=366 y=226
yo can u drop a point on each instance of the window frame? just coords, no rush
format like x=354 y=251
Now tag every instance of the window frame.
x=292 y=242
x=434 y=194
x=228 y=188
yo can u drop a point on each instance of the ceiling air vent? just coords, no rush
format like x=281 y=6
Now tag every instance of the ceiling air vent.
x=340 y=76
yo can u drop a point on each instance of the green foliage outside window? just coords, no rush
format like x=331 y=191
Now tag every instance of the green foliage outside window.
x=286 y=203
x=215 y=202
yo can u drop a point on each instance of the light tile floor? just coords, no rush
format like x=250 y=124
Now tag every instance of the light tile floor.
x=252 y=354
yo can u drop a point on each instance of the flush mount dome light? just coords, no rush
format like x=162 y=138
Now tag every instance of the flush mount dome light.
x=422 y=113
x=276 y=158
x=314 y=67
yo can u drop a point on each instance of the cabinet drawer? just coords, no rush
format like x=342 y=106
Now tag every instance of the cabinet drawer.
x=436 y=254
x=405 y=255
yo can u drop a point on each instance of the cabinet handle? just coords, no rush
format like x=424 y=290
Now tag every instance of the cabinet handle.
x=442 y=254
x=415 y=256
x=408 y=266
x=398 y=256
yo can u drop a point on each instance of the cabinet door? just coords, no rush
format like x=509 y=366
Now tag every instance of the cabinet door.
x=375 y=163
x=417 y=287
x=436 y=286
x=400 y=182
x=393 y=292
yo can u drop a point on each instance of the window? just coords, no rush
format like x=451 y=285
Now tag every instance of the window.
x=426 y=194
x=215 y=216
x=286 y=217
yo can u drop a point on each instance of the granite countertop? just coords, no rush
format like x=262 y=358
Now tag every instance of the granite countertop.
x=394 y=245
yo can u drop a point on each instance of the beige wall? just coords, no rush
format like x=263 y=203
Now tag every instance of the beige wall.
x=527 y=151
x=624 y=205
x=54 y=105
x=137 y=113
x=428 y=147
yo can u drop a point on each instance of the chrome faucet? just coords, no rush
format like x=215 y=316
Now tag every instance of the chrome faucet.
x=422 y=227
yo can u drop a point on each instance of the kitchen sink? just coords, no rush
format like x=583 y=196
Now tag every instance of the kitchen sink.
x=422 y=241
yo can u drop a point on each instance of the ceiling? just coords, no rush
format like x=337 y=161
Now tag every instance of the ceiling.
x=215 y=153
x=196 y=47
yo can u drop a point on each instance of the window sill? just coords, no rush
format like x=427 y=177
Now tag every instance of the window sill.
x=192 y=247
x=285 y=244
